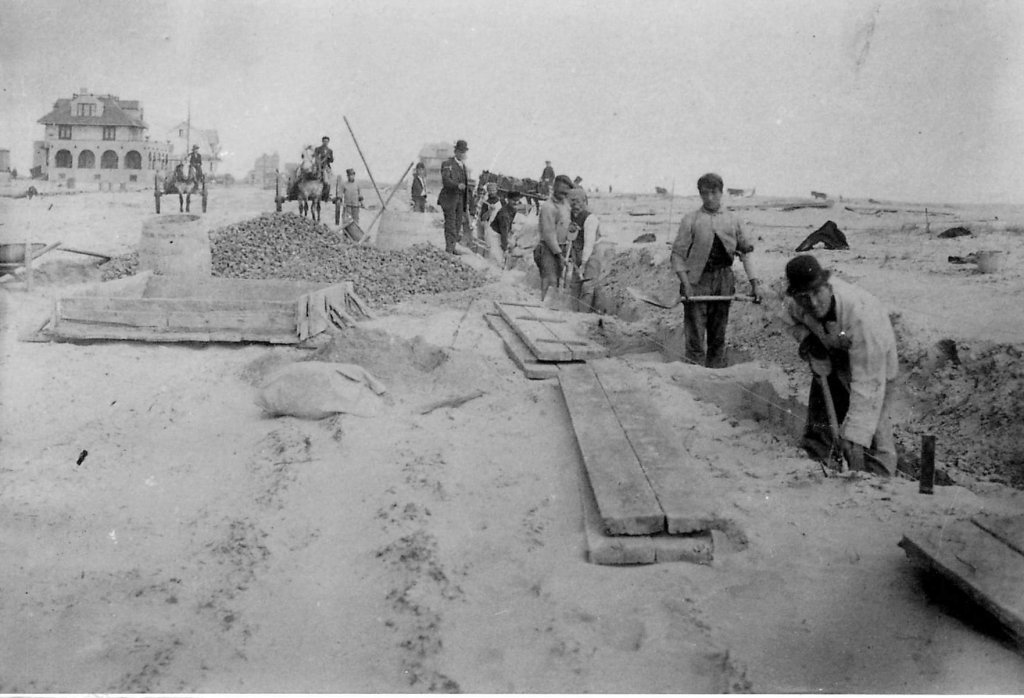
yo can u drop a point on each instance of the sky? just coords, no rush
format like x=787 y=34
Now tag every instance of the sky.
x=912 y=100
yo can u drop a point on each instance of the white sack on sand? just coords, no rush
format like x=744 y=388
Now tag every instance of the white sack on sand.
x=314 y=390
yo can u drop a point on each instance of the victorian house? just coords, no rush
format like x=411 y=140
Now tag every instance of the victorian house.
x=99 y=139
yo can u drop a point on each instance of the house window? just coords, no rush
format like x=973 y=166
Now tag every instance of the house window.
x=181 y=133
x=86 y=160
x=86 y=109
x=133 y=178
x=63 y=158
x=64 y=133
x=133 y=160
x=108 y=161
x=109 y=132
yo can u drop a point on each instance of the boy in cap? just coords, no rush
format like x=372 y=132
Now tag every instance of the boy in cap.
x=846 y=335
x=702 y=257
x=502 y=223
x=419 y=189
x=350 y=195
x=553 y=220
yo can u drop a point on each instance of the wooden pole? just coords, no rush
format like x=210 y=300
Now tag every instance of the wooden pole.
x=365 y=164
x=369 y=228
x=28 y=265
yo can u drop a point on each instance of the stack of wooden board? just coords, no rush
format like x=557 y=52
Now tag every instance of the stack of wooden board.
x=642 y=498
x=538 y=339
x=984 y=557
x=153 y=308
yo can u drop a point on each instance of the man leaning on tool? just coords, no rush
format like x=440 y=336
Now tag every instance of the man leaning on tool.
x=702 y=256
x=845 y=333
x=455 y=196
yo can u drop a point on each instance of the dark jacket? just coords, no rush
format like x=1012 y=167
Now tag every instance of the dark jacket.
x=418 y=188
x=453 y=173
x=323 y=155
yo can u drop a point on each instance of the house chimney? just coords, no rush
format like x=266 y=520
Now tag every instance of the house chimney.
x=83 y=90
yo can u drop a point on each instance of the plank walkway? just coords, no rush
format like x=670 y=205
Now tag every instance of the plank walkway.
x=518 y=351
x=983 y=558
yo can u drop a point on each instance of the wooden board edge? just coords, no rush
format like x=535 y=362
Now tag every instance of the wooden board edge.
x=518 y=352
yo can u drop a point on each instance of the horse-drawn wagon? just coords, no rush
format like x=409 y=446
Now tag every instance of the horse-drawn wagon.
x=310 y=190
x=177 y=182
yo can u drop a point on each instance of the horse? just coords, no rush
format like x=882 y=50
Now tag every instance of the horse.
x=183 y=186
x=309 y=184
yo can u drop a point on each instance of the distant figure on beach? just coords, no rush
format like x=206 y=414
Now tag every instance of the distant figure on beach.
x=419 y=189
x=702 y=257
x=846 y=335
x=455 y=196
x=547 y=178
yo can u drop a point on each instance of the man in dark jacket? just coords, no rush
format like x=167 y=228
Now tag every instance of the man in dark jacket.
x=195 y=160
x=323 y=156
x=419 y=189
x=455 y=195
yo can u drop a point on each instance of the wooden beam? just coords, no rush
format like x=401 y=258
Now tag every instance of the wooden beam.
x=518 y=351
x=626 y=502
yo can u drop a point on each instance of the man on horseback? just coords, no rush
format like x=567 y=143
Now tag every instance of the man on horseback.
x=324 y=156
x=195 y=162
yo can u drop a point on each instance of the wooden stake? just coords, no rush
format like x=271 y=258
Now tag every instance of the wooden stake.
x=927 y=464
x=365 y=164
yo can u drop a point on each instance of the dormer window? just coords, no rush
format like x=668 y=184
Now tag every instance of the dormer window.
x=86 y=109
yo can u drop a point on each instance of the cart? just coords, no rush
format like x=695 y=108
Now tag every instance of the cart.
x=167 y=188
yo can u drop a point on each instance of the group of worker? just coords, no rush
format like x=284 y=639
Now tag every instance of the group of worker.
x=842 y=331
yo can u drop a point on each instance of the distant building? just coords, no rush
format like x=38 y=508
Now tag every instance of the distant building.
x=432 y=155
x=264 y=171
x=182 y=137
x=98 y=139
x=5 y=160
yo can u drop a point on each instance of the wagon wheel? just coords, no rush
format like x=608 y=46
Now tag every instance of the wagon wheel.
x=204 y=197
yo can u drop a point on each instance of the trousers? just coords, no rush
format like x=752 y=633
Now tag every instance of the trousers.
x=454 y=220
x=704 y=323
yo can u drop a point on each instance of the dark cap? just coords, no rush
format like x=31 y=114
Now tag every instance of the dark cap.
x=326 y=138
x=195 y=147
x=460 y=146
x=804 y=274
x=350 y=171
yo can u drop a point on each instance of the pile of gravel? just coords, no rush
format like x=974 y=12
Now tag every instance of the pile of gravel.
x=288 y=246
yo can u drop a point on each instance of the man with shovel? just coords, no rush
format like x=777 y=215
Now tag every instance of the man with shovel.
x=702 y=257
x=846 y=336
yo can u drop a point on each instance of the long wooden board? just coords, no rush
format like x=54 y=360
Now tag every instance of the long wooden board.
x=603 y=549
x=518 y=351
x=984 y=567
x=548 y=333
x=627 y=504
x=673 y=476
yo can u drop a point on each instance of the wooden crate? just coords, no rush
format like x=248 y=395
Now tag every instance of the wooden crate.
x=154 y=308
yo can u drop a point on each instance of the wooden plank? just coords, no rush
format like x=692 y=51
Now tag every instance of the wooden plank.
x=186 y=305
x=978 y=563
x=518 y=351
x=675 y=479
x=70 y=330
x=531 y=332
x=161 y=286
x=603 y=549
x=626 y=502
x=1008 y=529
x=279 y=320
x=549 y=341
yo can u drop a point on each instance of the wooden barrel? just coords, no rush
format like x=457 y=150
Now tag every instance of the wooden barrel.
x=175 y=245
x=397 y=230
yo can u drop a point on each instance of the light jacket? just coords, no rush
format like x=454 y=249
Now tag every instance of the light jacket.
x=873 y=359
x=697 y=232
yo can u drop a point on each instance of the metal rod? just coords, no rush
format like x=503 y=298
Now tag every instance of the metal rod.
x=365 y=164
x=927 y=464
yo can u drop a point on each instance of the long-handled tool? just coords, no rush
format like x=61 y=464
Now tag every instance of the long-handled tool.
x=641 y=296
x=821 y=368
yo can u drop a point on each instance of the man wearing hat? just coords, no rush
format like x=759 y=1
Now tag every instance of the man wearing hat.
x=455 y=196
x=845 y=333
x=323 y=156
x=351 y=198
x=195 y=160
x=702 y=256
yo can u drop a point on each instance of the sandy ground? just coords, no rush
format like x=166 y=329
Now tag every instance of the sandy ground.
x=201 y=546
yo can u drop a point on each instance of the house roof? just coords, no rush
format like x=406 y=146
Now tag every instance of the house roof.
x=113 y=114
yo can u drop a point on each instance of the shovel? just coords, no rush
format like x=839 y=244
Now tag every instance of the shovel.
x=821 y=368
x=641 y=296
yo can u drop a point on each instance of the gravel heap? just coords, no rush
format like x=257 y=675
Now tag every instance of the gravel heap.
x=288 y=246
